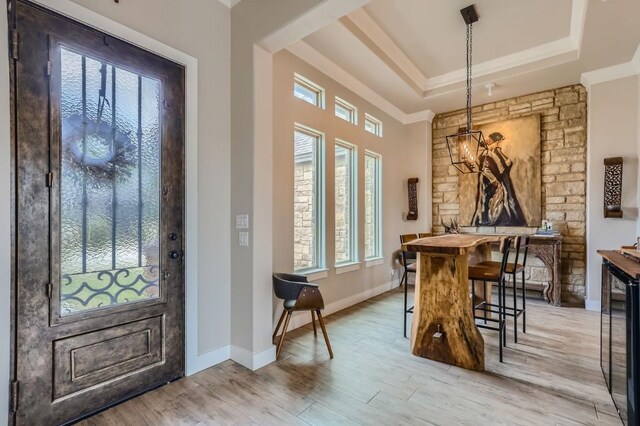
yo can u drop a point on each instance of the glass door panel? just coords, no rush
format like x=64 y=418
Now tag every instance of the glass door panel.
x=109 y=184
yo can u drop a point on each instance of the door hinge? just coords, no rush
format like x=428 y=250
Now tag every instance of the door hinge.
x=49 y=290
x=49 y=68
x=14 y=44
x=49 y=179
x=14 y=396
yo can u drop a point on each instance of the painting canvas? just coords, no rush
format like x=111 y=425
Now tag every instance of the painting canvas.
x=507 y=191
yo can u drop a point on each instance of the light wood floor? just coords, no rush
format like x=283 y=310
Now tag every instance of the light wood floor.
x=551 y=377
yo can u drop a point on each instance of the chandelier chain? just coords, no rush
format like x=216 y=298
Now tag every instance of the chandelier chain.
x=469 y=64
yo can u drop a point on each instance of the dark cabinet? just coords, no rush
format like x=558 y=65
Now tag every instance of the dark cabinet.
x=619 y=340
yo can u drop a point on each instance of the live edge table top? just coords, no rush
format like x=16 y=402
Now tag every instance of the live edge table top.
x=450 y=244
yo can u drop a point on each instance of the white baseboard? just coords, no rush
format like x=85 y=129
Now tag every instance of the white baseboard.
x=299 y=319
x=206 y=360
x=253 y=361
x=592 y=305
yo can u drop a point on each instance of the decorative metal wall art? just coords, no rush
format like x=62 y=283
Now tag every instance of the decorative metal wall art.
x=613 y=187
x=412 y=187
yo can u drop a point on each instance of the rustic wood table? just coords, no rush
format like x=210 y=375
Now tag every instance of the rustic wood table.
x=442 y=303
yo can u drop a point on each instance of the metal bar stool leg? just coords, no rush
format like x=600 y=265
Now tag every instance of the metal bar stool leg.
x=500 y=322
x=484 y=291
x=515 y=307
x=405 y=305
x=504 y=311
x=524 y=302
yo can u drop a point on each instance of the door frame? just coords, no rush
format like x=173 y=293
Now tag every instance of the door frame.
x=87 y=17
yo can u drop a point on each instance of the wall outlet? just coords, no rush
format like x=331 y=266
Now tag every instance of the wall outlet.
x=243 y=239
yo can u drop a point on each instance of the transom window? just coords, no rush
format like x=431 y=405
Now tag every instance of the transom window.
x=346 y=111
x=372 y=125
x=308 y=200
x=308 y=91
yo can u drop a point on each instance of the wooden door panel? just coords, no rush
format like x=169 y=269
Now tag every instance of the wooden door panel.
x=106 y=355
x=68 y=364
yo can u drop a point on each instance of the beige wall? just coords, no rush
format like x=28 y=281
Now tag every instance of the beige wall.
x=348 y=287
x=613 y=132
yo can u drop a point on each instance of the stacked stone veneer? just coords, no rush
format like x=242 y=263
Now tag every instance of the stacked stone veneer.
x=303 y=215
x=563 y=135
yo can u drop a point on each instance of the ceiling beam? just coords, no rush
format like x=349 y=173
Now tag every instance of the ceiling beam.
x=326 y=12
x=360 y=24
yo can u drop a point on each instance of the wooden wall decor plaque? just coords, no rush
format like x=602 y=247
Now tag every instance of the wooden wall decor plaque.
x=412 y=187
x=613 y=187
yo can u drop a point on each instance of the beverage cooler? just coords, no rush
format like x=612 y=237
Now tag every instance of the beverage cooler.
x=620 y=334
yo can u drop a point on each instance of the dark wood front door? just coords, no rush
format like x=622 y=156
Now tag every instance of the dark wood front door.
x=98 y=128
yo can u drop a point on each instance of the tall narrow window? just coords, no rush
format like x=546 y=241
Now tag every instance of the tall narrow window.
x=346 y=111
x=372 y=205
x=345 y=203
x=372 y=125
x=308 y=91
x=308 y=200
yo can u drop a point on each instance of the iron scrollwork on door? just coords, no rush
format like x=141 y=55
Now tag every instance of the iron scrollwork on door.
x=412 y=187
x=613 y=187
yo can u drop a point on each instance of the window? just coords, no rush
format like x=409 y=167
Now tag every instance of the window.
x=372 y=205
x=308 y=200
x=346 y=111
x=308 y=91
x=372 y=125
x=345 y=203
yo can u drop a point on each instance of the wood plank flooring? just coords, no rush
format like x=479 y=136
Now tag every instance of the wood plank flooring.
x=551 y=377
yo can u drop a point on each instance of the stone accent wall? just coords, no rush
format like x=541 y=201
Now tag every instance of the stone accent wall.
x=563 y=135
x=303 y=215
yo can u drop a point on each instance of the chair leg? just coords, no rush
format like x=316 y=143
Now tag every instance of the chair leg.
x=473 y=299
x=406 y=290
x=524 y=310
x=504 y=311
x=515 y=308
x=275 y=332
x=313 y=321
x=404 y=278
x=284 y=333
x=500 y=323
x=484 y=291
x=324 y=332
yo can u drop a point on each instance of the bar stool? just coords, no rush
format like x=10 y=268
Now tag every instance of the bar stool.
x=521 y=249
x=409 y=266
x=492 y=272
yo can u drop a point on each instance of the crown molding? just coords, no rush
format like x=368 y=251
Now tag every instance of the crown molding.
x=325 y=65
x=614 y=72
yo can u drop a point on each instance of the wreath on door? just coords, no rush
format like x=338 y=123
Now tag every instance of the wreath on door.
x=98 y=150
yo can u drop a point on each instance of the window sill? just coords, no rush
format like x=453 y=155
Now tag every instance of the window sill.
x=315 y=274
x=374 y=261
x=343 y=268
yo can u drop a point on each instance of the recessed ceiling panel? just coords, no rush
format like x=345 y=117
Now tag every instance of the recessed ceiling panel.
x=432 y=32
x=340 y=46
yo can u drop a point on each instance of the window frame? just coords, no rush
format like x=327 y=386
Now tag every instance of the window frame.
x=377 y=123
x=353 y=214
x=311 y=86
x=319 y=198
x=338 y=101
x=378 y=206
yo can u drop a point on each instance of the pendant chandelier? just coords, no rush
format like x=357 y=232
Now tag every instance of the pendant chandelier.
x=467 y=146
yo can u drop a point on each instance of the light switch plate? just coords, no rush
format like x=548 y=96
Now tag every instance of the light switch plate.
x=243 y=239
x=242 y=221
